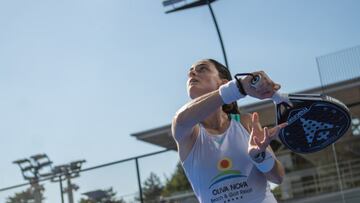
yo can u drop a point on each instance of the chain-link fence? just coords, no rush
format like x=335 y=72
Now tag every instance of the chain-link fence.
x=339 y=66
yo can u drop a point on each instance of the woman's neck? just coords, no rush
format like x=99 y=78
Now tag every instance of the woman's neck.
x=217 y=121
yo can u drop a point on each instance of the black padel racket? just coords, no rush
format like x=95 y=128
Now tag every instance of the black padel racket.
x=314 y=120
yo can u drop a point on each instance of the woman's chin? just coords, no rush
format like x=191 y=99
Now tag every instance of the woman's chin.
x=191 y=95
x=194 y=95
x=195 y=91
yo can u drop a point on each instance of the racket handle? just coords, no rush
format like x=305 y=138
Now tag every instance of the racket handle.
x=277 y=97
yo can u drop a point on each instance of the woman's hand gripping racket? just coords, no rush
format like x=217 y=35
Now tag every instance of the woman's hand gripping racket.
x=314 y=120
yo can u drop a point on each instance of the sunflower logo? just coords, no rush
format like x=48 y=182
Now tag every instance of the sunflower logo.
x=224 y=164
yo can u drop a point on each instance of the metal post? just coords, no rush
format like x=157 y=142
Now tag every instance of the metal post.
x=61 y=190
x=69 y=188
x=139 y=180
x=218 y=32
x=37 y=191
x=338 y=173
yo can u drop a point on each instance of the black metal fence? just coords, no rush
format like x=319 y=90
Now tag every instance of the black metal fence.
x=124 y=178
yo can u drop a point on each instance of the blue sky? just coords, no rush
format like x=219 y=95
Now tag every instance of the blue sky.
x=77 y=77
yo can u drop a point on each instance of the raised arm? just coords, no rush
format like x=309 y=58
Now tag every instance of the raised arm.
x=195 y=111
x=184 y=128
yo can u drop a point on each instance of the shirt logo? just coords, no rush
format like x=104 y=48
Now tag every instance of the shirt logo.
x=225 y=167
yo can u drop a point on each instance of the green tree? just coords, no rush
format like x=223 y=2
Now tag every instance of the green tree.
x=152 y=188
x=277 y=192
x=83 y=200
x=109 y=197
x=26 y=196
x=177 y=183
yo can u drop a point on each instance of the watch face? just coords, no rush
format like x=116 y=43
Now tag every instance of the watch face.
x=259 y=157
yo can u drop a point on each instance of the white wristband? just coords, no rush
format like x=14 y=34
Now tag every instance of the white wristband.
x=229 y=92
x=264 y=162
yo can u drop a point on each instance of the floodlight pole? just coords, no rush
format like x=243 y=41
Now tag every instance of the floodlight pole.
x=68 y=171
x=61 y=190
x=195 y=4
x=69 y=189
x=33 y=166
x=37 y=190
x=219 y=34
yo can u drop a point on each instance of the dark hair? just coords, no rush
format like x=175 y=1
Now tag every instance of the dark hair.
x=224 y=73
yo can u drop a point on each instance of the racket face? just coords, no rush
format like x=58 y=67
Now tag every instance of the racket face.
x=312 y=124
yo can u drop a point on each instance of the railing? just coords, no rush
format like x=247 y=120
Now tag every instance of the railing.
x=320 y=180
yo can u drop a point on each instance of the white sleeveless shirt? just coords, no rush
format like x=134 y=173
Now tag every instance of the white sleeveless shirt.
x=220 y=170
